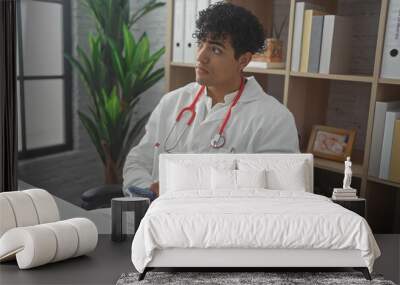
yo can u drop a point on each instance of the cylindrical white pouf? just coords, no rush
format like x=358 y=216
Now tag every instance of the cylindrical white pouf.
x=87 y=234
x=7 y=218
x=67 y=240
x=46 y=207
x=40 y=244
x=23 y=208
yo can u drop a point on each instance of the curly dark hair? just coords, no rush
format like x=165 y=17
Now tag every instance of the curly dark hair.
x=223 y=19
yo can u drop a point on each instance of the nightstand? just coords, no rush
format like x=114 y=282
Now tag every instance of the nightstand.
x=138 y=205
x=357 y=205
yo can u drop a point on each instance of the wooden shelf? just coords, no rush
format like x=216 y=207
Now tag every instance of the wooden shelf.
x=247 y=69
x=337 y=167
x=383 y=181
x=389 y=81
x=265 y=70
x=181 y=64
x=356 y=78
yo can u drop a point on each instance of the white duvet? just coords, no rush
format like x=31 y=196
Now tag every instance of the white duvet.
x=253 y=218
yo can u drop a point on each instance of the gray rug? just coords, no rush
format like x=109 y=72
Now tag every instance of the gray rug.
x=273 y=278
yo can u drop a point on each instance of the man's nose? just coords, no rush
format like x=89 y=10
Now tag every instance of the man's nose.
x=202 y=54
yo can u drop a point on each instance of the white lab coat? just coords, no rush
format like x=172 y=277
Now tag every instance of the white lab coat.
x=258 y=124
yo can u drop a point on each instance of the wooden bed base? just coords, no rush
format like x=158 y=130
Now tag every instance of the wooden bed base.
x=364 y=271
x=242 y=259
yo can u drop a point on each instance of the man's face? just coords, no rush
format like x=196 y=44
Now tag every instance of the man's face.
x=216 y=63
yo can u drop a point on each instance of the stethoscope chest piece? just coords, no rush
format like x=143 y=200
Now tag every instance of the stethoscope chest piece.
x=217 y=141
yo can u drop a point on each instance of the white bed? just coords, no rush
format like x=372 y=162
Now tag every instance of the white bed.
x=202 y=220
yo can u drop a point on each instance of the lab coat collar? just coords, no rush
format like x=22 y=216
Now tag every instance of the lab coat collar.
x=252 y=91
x=227 y=101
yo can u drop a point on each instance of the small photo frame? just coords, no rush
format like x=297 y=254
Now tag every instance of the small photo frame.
x=331 y=143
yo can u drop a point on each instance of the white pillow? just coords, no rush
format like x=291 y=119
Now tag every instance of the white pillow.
x=223 y=179
x=290 y=179
x=251 y=178
x=193 y=174
x=181 y=177
x=236 y=179
x=281 y=174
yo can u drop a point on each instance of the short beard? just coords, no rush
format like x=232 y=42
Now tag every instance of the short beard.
x=201 y=81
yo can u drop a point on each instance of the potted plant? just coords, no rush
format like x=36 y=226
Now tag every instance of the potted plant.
x=116 y=70
x=274 y=44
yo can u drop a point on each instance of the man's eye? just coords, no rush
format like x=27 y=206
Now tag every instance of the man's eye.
x=216 y=50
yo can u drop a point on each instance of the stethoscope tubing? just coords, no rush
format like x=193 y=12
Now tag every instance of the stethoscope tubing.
x=191 y=109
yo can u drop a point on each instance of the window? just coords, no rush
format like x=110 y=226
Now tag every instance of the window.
x=43 y=77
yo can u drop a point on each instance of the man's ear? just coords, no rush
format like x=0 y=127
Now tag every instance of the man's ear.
x=244 y=60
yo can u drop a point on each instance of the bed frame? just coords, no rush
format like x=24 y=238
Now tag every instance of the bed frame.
x=256 y=258
x=251 y=258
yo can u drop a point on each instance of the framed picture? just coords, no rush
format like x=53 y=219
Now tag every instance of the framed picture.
x=331 y=143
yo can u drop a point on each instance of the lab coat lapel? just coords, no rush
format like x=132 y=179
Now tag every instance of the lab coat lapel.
x=252 y=91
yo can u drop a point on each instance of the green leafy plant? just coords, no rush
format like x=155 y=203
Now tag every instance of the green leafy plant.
x=116 y=70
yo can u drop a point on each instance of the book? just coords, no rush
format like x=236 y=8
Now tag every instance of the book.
x=391 y=47
x=315 y=43
x=341 y=190
x=344 y=198
x=377 y=135
x=394 y=172
x=335 y=47
x=264 y=64
x=391 y=117
x=345 y=194
x=305 y=44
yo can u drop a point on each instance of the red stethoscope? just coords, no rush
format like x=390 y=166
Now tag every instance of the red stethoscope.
x=218 y=140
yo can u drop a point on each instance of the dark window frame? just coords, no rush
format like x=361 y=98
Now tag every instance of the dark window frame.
x=24 y=153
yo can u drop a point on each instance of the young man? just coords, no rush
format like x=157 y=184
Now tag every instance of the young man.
x=232 y=113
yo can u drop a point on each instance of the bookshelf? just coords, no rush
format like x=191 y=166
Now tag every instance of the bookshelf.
x=340 y=77
x=306 y=95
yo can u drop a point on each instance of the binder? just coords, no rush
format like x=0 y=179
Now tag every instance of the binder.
x=315 y=44
x=394 y=172
x=335 y=50
x=297 y=35
x=391 y=117
x=201 y=5
x=178 y=30
x=391 y=48
x=190 y=47
x=377 y=135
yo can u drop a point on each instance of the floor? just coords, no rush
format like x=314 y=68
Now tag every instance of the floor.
x=103 y=266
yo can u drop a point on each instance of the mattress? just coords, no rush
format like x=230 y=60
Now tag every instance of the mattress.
x=250 y=219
